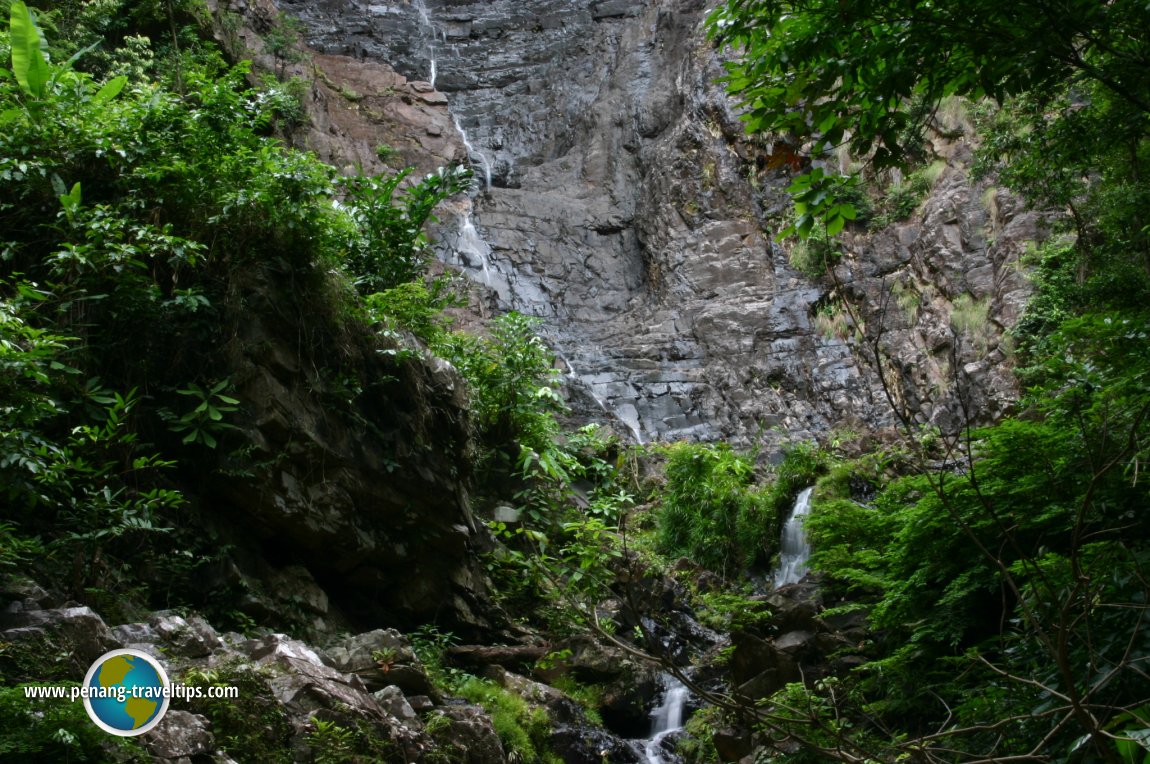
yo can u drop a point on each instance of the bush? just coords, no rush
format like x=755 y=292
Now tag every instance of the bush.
x=513 y=383
x=711 y=512
x=56 y=730
x=388 y=247
x=523 y=730
x=814 y=255
x=256 y=726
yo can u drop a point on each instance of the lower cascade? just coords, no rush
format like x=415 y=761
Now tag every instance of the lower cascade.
x=795 y=550
x=666 y=719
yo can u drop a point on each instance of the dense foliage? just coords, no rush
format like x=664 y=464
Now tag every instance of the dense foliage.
x=1004 y=567
x=1004 y=570
x=128 y=204
x=871 y=74
x=713 y=512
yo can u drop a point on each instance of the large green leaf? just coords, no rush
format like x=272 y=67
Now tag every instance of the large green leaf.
x=110 y=90
x=29 y=62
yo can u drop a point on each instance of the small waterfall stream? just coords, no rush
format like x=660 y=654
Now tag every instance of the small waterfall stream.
x=625 y=413
x=795 y=550
x=472 y=248
x=474 y=153
x=666 y=718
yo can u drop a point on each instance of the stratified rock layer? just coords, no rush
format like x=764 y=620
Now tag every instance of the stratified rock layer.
x=619 y=200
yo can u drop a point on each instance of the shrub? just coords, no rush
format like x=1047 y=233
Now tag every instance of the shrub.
x=56 y=730
x=814 y=255
x=711 y=512
x=513 y=383
x=257 y=726
x=523 y=730
x=388 y=247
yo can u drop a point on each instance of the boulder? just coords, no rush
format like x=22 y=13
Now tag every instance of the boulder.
x=76 y=631
x=472 y=736
x=381 y=658
x=393 y=702
x=179 y=737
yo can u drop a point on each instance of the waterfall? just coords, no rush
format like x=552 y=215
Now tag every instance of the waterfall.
x=625 y=412
x=424 y=16
x=795 y=550
x=425 y=22
x=473 y=153
x=629 y=415
x=471 y=247
x=666 y=718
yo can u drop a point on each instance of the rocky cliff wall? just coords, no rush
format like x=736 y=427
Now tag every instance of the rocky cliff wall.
x=618 y=199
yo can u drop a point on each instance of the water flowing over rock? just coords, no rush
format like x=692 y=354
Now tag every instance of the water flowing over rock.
x=666 y=719
x=629 y=211
x=794 y=550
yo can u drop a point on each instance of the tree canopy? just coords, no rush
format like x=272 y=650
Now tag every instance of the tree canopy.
x=870 y=74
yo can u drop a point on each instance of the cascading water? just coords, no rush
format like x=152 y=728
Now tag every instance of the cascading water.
x=629 y=415
x=469 y=247
x=430 y=33
x=474 y=153
x=421 y=7
x=625 y=413
x=795 y=550
x=666 y=718
x=472 y=248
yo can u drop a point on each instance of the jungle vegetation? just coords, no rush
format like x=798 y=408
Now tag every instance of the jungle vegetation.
x=1002 y=568
x=1005 y=570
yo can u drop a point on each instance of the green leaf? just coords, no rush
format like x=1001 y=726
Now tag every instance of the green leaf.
x=110 y=90
x=29 y=64
x=835 y=224
x=70 y=201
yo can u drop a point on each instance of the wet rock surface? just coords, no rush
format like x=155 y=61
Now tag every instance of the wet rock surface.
x=626 y=207
x=797 y=644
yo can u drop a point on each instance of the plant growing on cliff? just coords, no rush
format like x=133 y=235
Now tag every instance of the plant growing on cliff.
x=205 y=421
x=132 y=210
x=388 y=247
x=876 y=81
x=513 y=383
x=712 y=513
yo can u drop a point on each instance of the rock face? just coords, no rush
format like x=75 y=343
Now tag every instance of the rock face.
x=289 y=689
x=619 y=200
x=358 y=462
